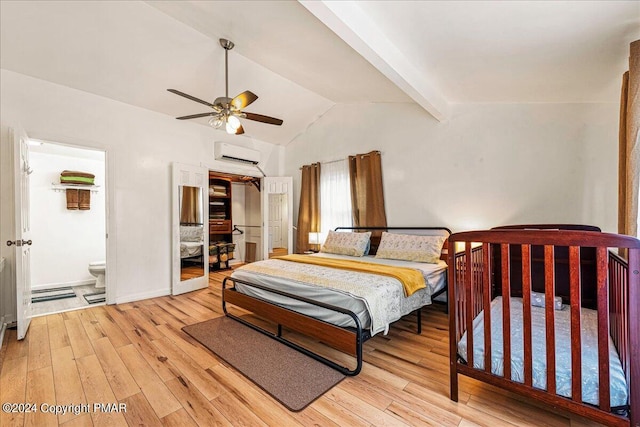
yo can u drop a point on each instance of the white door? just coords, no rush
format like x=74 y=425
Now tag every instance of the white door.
x=22 y=235
x=189 y=176
x=276 y=185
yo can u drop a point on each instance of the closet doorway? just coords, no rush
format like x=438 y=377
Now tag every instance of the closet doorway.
x=68 y=225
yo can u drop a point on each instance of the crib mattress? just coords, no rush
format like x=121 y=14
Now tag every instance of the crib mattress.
x=589 y=338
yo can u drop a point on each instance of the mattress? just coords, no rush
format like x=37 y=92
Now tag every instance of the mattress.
x=189 y=249
x=589 y=338
x=390 y=302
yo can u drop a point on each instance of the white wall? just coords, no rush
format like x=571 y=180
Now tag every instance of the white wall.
x=489 y=164
x=140 y=146
x=66 y=241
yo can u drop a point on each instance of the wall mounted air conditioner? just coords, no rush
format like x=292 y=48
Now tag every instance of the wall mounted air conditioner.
x=234 y=153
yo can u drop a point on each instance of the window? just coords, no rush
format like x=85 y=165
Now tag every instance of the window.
x=335 y=197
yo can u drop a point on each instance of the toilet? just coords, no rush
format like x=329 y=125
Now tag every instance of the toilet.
x=97 y=269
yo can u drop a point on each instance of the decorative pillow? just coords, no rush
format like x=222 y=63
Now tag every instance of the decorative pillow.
x=189 y=233
x=409 y=247
x=537 y=300
x=354 y=244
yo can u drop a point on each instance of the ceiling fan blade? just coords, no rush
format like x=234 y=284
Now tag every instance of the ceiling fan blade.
x=195 y=116
x=245 y=98
x=240 y=130
x=193 y=98
x=261 y=118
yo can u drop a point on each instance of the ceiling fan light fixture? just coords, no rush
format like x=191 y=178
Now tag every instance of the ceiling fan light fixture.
x=233 y=123
x=216 y=122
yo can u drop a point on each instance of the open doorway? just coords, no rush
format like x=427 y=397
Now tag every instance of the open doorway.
x=67 y=197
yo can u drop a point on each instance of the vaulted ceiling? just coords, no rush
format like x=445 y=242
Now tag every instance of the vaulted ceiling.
x=301 y=58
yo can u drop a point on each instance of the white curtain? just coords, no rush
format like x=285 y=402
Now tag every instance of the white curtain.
x=335 y=197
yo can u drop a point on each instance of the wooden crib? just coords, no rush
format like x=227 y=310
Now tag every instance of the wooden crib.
x=577 y=266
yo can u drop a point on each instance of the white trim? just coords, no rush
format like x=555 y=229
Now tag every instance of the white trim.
x=3 y=328
x=144 y=295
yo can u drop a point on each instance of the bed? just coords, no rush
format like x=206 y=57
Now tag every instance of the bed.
x=191 y=241
x=552 y=313
x=335 y=304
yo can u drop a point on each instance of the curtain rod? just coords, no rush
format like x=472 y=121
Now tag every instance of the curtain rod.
x=339 y=160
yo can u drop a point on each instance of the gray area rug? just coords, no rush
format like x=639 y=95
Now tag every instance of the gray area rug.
x=290 y=377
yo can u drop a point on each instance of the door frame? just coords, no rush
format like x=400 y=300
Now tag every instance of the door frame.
x=110 y=224
x=276 y=185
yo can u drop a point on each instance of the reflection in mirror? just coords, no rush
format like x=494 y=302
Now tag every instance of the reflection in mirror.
x=278 y=225
x=191 y=232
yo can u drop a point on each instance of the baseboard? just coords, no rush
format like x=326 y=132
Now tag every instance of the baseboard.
x=63 y=285
x=143 y=295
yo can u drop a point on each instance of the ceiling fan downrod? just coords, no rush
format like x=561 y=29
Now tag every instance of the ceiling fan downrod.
x=227 y=45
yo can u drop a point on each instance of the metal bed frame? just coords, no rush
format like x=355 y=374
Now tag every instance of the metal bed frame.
x=346 y=339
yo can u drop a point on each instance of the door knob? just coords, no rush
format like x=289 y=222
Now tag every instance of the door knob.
x=19 y=242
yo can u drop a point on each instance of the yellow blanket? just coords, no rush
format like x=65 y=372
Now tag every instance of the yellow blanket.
x=411 y=279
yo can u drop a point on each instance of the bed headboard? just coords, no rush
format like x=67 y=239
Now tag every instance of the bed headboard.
x=376 y=233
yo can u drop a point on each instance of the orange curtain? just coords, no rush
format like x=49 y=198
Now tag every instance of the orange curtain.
x=367 y=197
x=629 y=145
x=309 y=210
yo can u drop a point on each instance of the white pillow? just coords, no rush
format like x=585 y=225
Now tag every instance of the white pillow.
x=354 y=244
x=538 y=300
x=410 y=247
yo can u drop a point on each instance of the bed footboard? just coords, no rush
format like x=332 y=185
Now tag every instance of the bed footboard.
x=347 y=340
x=487 y=267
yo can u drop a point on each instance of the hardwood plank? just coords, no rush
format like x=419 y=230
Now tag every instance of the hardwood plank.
x=98 y=390
x=16 y=349
x=233 y=409
x=110 y=328
x=122 y=383
x=78 y=338
x=337 y=413
x=252 y=397
x=67 y=381
x=196 y=405
x=39 y=349
x=40 y=389
x=189 y=369
x=83 y=420
x=156 y=392
x=196 y=351
x=361 y=408
x=13 y=385
x=179 y=418
x=90 y=324
x=58 y=337
x=154 y=356
x=142 y=324
x=139 y=412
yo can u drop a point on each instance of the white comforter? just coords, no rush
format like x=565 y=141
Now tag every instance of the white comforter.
x=376 y=300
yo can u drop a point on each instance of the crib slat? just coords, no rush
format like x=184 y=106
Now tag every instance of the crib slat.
x=526 y=314
x=576 y=341
x=468 y=286
x=634 y=333
x=486 y=304
x=604 y=398
x=549 y=291
x=506 y=310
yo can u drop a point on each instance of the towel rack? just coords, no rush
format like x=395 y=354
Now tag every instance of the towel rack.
x=63 y=187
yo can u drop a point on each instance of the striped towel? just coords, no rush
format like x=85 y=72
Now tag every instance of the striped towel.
x=76 y=177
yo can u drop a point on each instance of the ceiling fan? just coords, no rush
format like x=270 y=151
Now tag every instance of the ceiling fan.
x=228 y=111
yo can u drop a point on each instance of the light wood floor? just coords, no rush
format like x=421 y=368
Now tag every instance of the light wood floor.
x=136 y=354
